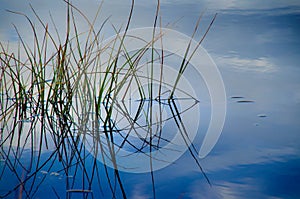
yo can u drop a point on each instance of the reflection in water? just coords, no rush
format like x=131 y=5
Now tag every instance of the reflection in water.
x=262 y=115
x=241 y=99
x=35 y=158
x=237 y=97
x=76 y=117
x=257 y=157
x=245 y=101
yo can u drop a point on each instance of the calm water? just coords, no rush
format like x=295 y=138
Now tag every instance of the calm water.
x=256 y=48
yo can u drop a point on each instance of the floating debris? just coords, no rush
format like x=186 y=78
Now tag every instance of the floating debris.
x=262 y=115
x=237 y=97
x=241 y=99
x=54 y=174
x=245 y=101
x=44 y=172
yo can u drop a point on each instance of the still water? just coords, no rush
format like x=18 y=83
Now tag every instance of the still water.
x=255 y=46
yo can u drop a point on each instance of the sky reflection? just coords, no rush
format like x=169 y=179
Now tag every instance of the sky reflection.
x=256 y=46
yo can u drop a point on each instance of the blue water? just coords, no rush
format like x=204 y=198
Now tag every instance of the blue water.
x=256 y=48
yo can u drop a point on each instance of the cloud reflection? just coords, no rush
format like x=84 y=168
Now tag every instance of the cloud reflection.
x=261 y=64
x=231 y=158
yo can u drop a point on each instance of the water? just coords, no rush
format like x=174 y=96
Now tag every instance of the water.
x=255 y=46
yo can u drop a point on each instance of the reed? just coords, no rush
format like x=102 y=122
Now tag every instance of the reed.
x=57 y=93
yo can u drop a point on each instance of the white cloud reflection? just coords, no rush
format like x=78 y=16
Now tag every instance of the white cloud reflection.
x=138 y=192
x=252 y=5
x=245 y=188
x=232 y=158
x=249 y=6
x=261 y=64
